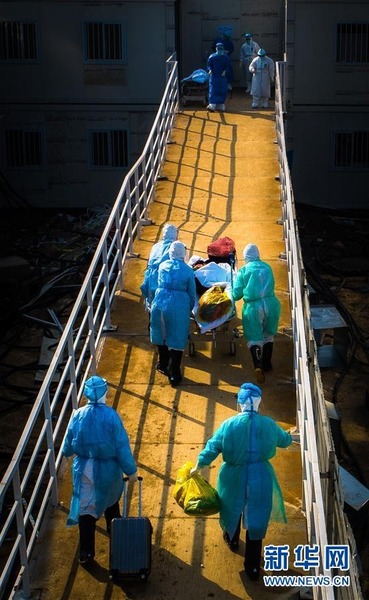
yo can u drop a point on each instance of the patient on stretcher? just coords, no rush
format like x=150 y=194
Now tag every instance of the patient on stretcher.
x=214 y=305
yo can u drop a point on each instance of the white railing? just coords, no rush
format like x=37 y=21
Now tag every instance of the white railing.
x=30 y=481
x=322 y=495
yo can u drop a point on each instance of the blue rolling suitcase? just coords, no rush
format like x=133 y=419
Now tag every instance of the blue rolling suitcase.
x=130 y=542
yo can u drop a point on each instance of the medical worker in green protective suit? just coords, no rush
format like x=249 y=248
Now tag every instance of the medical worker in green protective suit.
x=261 y=310
x=247 y=485
x=171 y=311
x=97 y=438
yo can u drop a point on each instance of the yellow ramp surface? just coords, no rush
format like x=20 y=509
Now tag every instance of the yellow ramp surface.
x=219 y=179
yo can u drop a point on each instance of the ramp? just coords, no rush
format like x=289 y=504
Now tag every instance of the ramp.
x=219 y=179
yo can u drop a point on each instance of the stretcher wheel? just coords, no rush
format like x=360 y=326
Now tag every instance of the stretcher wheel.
x=232 y=348
x=191 y=349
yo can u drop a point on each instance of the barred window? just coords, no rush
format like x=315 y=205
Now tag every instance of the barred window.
x=352 y=43
x=109 y=149
x=18 y=41
x=23 y=148
x=104 y=42
x=351 y=150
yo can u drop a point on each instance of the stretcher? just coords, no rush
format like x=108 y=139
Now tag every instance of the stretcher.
x=214 y=310
x=221 y=333
x=194 y=88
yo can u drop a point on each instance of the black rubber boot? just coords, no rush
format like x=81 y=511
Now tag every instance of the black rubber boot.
x=174 y=368
x=162 y=365
x=233 y=544
x=252 y=557
x=266 y=358
x=112 y=512
x=87 y=526
x=256 y=358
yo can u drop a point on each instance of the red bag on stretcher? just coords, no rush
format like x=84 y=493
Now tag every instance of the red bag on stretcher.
x=222 y=250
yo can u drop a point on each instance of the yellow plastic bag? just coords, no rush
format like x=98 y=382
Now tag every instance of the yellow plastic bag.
x=194 y=494
x=214 y=304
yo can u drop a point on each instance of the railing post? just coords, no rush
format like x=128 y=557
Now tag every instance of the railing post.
x=21 y=531
x=120 y=250
x=105 y=262
x=129 y=217
x=145 y=220
x=50 y=446
x=91 y=324
x=72 y=369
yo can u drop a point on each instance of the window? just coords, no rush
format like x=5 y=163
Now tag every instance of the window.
x=109 y=149
x=351 y=150
x=104 y=42
x=23 y=148
x=352 y=43
x=18 y=41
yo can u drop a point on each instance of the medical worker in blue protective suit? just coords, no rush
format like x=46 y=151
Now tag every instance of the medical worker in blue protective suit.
x=262 y=69
x=171 y=310
x=97 y=438
x=261 y=310
x=219 y=67
x=159 y=253
x=247 y=485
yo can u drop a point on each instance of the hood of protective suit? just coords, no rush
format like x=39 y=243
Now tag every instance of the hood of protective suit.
x=170 y=232
x=249 y=397
x=194 y=260
x=95 y=389
x=251 y=252
x=177 y=250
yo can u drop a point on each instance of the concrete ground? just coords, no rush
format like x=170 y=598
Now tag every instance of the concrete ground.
x=219 y=180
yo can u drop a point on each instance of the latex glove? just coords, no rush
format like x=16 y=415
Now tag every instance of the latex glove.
x=223 y=73
x=132 y=478
x=194 y=470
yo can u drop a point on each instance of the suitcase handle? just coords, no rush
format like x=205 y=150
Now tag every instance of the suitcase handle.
x=125 y=480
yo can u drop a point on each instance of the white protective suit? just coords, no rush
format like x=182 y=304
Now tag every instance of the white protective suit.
x=247 y=53
x=262 y=68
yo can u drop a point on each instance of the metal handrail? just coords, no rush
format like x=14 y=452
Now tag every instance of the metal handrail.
x=30 y=482
x=322 y=494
